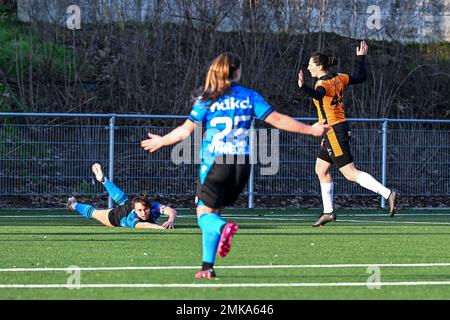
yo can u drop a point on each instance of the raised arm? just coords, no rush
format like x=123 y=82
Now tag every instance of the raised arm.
x=317 y=94
x=284 y=122
x=178 y=134
x=360 y=75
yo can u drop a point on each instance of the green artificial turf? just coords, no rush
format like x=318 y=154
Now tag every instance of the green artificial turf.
x=269 y=238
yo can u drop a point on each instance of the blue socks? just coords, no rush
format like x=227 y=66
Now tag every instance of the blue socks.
x=85 y=210
x=211 y=225
x=115 y=192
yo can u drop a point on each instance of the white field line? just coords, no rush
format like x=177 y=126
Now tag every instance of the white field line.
x=278 y=219
x=340 y=214
x=222 y=285
x=305 y=266
x=396 y=222
x=346 y=220
x=273 y=219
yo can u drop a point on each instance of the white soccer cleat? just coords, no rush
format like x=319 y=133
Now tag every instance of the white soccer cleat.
x=70 y=202
x=97 y=169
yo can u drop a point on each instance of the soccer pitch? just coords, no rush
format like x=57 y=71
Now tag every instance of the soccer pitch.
x=276 y=254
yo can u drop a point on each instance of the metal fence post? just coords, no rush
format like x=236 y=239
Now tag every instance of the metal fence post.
x=252 y=158
x=112 y=122
x=384 y=129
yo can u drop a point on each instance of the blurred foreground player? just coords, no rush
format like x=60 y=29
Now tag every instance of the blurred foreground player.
x=227 y=110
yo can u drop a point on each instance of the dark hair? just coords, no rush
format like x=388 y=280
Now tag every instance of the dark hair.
x=142 y=199
x=220 y=73
x=324 y=60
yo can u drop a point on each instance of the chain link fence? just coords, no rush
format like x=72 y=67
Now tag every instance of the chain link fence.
x=52 y=155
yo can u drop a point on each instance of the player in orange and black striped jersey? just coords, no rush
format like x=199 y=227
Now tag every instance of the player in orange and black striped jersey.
x=335 y=149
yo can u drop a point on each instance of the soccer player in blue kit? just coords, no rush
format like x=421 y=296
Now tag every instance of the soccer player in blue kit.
x=227 y=109
x=137 y=213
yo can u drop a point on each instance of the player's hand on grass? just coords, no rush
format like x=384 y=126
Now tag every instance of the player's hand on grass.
x=319 y=128
x=152 y=144
x=168 y=224
x=362 y=49
x=301 y=79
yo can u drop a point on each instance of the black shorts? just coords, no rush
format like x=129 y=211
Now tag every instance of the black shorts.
x=335 y=147
x=116 y=214
x=224 y=183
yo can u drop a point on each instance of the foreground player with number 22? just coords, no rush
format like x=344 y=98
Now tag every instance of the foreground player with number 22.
x=227 y=110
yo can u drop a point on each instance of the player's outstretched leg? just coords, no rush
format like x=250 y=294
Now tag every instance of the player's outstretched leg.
x=84 y=209
x=97 y=169
x=115 y=192
x=367 y=181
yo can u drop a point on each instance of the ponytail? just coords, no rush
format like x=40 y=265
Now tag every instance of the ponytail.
x=332 y=61
x=220 y=73
x=324 y=60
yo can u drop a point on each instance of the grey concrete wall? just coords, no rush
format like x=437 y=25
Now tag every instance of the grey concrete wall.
x=402 y=20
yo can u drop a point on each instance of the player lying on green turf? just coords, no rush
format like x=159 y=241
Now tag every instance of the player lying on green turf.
x=136 y=213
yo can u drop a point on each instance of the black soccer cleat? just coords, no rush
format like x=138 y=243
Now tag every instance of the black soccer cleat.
x=392 y=203
x=324 y=219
